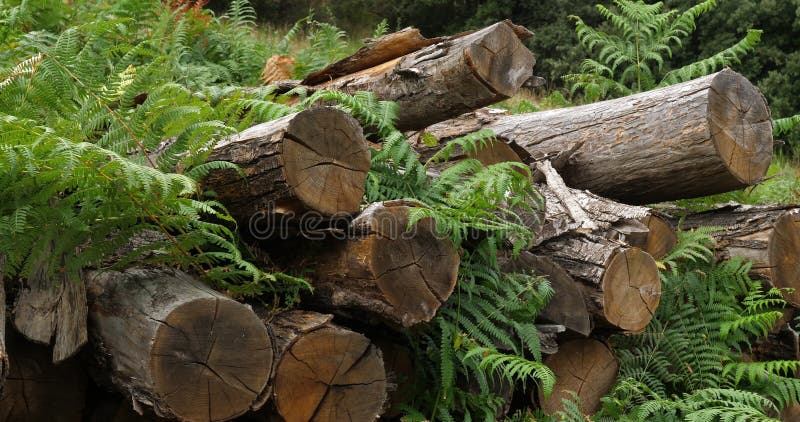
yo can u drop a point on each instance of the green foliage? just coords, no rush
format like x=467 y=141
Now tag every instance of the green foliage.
x=687 y=365
x=632 y=58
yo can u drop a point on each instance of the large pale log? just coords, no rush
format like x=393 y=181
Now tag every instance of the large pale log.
x=701 y=137
x=767 y=236
x=567 y=307
x=325 y=372
x=48 y=311
x=620 y=283
x=169 y=342
x=315 y=160
x=382 y=269
x=451 y=77
x=584 y=366
x=38 y=389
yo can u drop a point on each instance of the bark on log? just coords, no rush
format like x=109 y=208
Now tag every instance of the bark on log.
x=383 y=270
x=171 y=343
x=315 y=160
x=701 y=137
x=584 y=366
x=3 y=352
x=50 y=311
x=39 y=390
x=620 y=283
x=401 y=375
x=448 y=78
x=567 y=307
x=325 y=372
x=767 y=236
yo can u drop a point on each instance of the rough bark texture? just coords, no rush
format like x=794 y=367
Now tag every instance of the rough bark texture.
x=315 y=160
x=3 y=351
x=701 y=137
x=767 y=236
x=585 y=366
x=325 y=372
x=381 y=50
x=39 y=390
x=383 y=270
x=446 y=79
x=620 y=283
x=52 y=312
x=567 y=307
x=169 y=342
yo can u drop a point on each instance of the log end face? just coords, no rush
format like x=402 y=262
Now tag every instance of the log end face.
x=500 y=60
x=661 y=237
x=326 y=160
x=330 y=374
x=741 y=126
x=784 y=254
x=631 y=289
x=211 y=358
x=586 y=367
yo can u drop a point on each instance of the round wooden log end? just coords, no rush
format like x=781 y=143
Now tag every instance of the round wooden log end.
x=415 y=271
x=495 y=152
x=631 y=289
x=500 y=60
x=584 y=366
x=661 y=237
x=330 y=374
x=784 y=254
x=741 y=126
x=211 y=359
x=326 y=160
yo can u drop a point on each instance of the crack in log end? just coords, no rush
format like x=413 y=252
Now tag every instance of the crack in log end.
x=740 y=125
x=330 y=374
x=326 y=160
x=213 y=351
x=499 y=60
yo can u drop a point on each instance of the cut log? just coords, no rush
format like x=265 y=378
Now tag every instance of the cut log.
x=446 y=79
x=567 y=307
x=767 y=236
x=661 y=236
x=39 y=390
x=382 y=269
x=315 y=160
x=701 y=137
x=620 y=283
x=169 y=342
x=584 y=366
x=50 y=311
x=399 y=363
x=325 y=372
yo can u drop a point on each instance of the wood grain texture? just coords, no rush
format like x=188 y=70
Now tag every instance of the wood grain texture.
x=586 y=367
x=169 y=342
x=315 y=160
x=446 y=79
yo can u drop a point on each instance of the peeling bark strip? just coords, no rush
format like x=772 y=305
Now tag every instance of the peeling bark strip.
x=39 y=390
x=585 y=366
x=385 y=271
x=325 y=372
x=314 y=160
x=767 y=236
x=567 y=307
x=701 y=137
x=448 y=78
x=620 y=284
x=169 y=342
x=51 y=311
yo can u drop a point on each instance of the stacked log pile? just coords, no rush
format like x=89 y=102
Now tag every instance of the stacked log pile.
x=175 y=349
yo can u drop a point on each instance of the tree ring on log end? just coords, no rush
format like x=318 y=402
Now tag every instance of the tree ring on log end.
x=416 y=271
x=740 y=125
x=586 y=367
x=631 y=289
x=500 y=60
x=211 y=359
x=330 y=374
x=326 y=160
x=661 y=237
x=784 y=254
